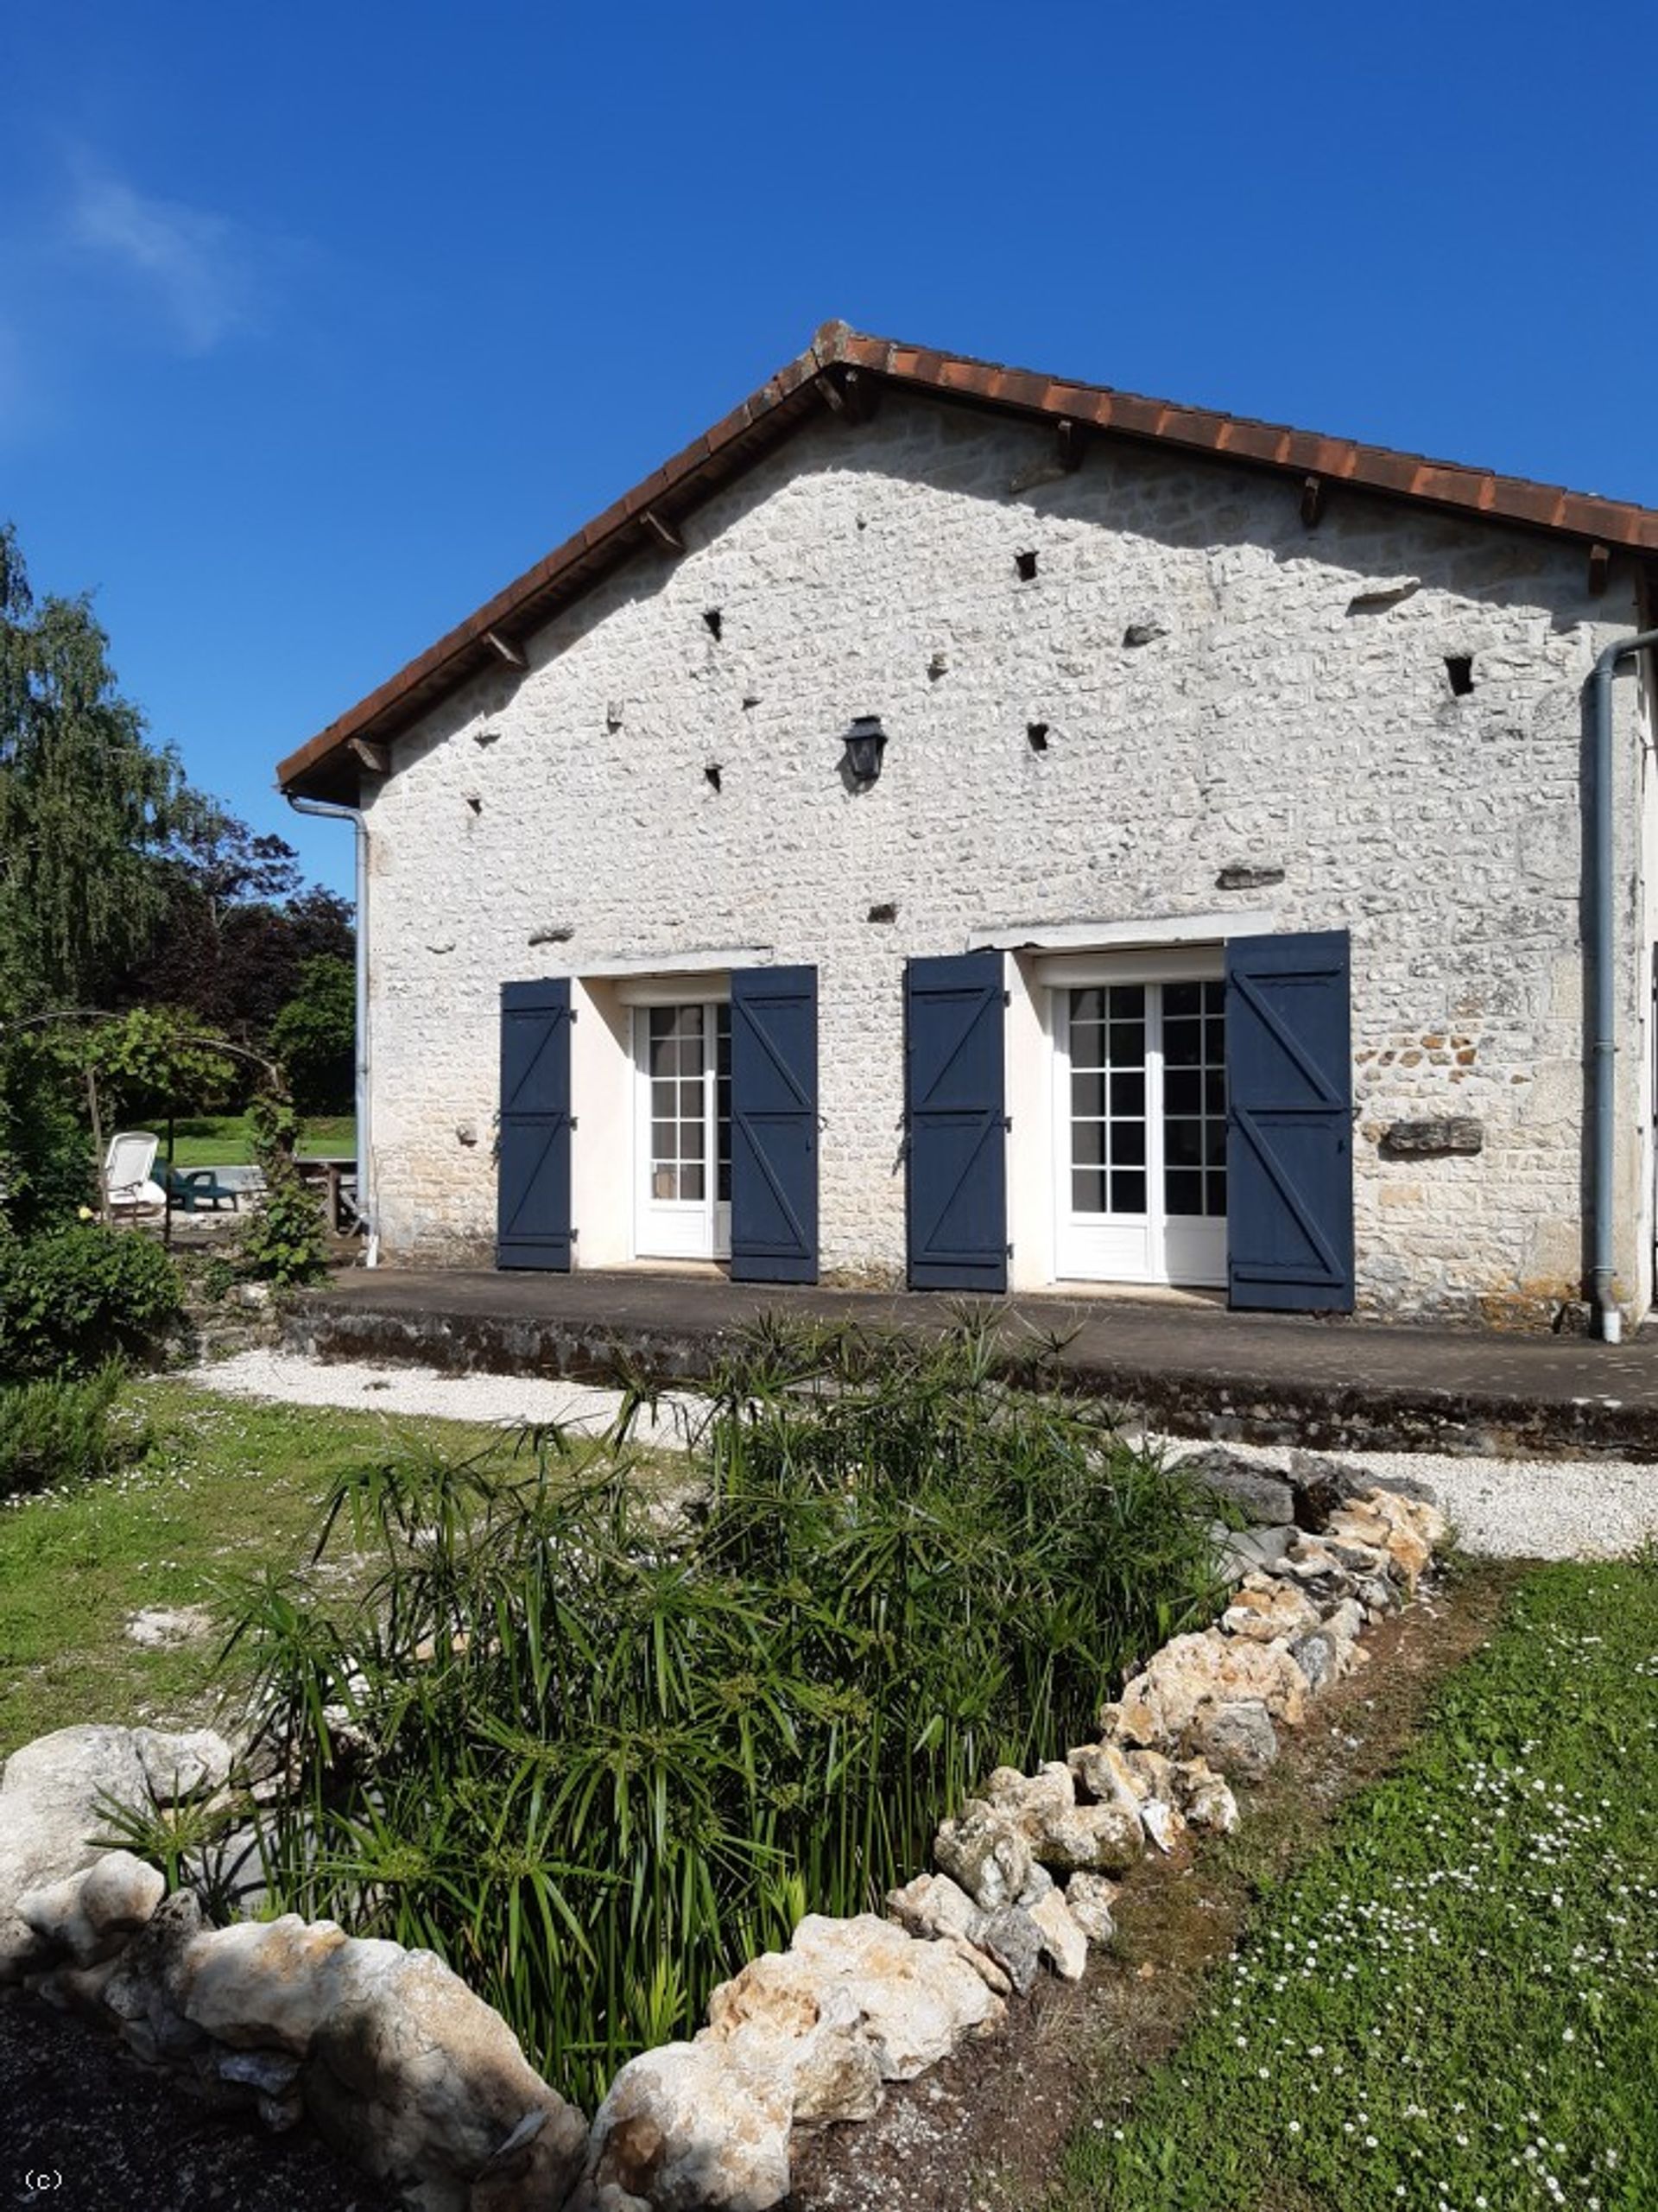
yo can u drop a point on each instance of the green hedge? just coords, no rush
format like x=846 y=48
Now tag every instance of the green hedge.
x=73 y=1300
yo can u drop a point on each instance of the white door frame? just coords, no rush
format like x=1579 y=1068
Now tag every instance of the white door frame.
x=679 y=1228
x=1154 y=1246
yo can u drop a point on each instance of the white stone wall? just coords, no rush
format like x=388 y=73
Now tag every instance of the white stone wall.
x=1276 y=721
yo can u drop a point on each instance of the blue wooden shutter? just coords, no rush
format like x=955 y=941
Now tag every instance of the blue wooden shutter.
x=1289 y=1143
x=958 y=1189
x=775 y=1124
x=534 y=1176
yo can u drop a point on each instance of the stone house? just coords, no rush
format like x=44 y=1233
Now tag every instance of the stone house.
x=953 y=826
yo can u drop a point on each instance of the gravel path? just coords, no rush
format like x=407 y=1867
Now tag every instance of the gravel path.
x=427 y=1393
x=1513 y=1509
x=1522 y=1509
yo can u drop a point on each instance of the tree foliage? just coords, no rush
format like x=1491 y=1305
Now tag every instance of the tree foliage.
x=314 y=1037
x=156 y=1061
x=86 y=805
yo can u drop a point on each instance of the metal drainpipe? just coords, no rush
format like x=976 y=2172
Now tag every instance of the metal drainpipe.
x=332 y=810
x=1603 y=939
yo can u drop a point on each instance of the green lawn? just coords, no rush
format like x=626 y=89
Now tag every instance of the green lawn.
x=1450 y=2006
x=227 y=1486
x=222 y=1141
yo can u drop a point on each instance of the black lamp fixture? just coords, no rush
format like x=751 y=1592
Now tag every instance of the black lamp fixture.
x=865 y=743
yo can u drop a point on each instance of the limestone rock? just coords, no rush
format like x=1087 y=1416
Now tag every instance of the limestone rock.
x=1090 y=1898
x=1107 y=1774
x=783 y=2021
x=50 y=1797
x=1163 y=1822
x=1241 y=1552
x=1319 y=1657
x=1264 y=1609
x=1345 y=1622
x=685 y=2128
x=271 y=1984
x=982 y=1963
x=163 y=1628
x=934 y=1905
x=1263 y=1494
x=918 y=2000
x=1208 y=1802
x=1159 y=1705
x=1014 y=1939
x=190 y=1763
x=91 y=1914
x=987 y=1853
x=1236 y=1737
x=422 y=2084
x=1064 y=1944
x=141 y=1994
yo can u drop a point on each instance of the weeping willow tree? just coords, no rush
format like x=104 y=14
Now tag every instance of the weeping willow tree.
x=85 y=803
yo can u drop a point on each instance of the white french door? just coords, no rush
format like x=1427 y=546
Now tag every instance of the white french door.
x=1140 y=1136
x=682 y=1132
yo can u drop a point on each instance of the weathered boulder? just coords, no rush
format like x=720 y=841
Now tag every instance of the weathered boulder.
x=781 y=2020
x=918 y=2000
x=1090 y=1898
x=934 y=1905
x=422 y=2084
x=1013 y=1939
x=1158 y=1706
x=142 y=1995
x=1064 y=1943
x=1108 y=1775
x=1236 y=1737
x=1319 y=1657
x=685 y=2128
x=1247 y=1551
x=271 y=1984
x=1261 y=1492
x=1266 y=1608
x=987 y=1853
x=1163 y=1822
x=1059 y=1832
x=91 y=1914
x=54 y=1795
x=1208 y=1802
x=49 y=1795
x=183 y=1764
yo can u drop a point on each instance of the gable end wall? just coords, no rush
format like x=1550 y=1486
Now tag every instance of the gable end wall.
x=1271 y=723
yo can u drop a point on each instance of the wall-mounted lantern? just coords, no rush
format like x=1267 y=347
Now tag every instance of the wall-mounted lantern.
x=865 y=743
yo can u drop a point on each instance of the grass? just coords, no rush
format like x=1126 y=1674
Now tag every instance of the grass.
x=222 y=1140
x=224 y=1486
x=1449 y=2007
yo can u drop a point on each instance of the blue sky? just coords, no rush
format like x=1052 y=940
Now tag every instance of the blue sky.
x=317 y=324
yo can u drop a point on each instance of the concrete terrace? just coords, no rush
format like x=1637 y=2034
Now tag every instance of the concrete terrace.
x=1192 y=1367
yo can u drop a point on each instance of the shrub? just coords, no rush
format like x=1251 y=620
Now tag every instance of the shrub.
x=53 y=1433
x=71 y=1300
x=596 y=1749
x=46 y=1154
x=285 y=1242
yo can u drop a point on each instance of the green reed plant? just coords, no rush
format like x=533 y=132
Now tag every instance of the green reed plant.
x=596 y=1747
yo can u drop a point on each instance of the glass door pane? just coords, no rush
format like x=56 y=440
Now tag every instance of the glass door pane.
x=1194 y=1098
x=1108 y=1100
x=678 y=1120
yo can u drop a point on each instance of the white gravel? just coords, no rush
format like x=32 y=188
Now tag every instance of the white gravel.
x=1528 y=1509
x=1510 y=1508
x=427 y=1393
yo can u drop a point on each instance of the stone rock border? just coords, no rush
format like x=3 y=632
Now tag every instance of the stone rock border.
x=410 y=2077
